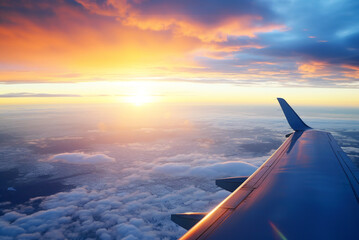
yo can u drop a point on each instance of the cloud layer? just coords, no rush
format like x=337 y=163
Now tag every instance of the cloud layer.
x=81 y=158
x=242 y=42
x=26 y=94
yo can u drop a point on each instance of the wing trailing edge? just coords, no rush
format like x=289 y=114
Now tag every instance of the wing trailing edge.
x=295 y=122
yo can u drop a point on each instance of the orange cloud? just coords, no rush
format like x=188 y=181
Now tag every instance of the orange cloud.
x=115 y=42
x=216 y=51
x=311 y=67
x=110 y=41
x=71 y=41
x=352 y=73
x=356 y=68
x=265 y=63
x=238 y=26
x=182 y=24
x=315 y=69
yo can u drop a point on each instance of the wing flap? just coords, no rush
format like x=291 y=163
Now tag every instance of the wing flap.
x=230 y=184
x=187 y=220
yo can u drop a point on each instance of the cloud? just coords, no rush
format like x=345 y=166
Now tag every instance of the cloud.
x=351 y=150
x=81 y=158
x=351 y=71
x=212 y=170
x=26 y=94
x=208 y=21
x=135 y=201
x=7 y=230
x=141 y=213
x=71 y=45
x=91 y=35
x=311 y=67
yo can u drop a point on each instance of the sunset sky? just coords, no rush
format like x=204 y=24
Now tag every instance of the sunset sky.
x=212 y=51
x=115 y=114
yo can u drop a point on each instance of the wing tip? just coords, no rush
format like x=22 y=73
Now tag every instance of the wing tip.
x=295 y=122
x=281 y=100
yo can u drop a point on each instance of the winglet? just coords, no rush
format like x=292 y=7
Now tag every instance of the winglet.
x=295 y=122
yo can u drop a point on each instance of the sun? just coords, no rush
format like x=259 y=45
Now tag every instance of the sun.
x=139 y=98
x=138 y=93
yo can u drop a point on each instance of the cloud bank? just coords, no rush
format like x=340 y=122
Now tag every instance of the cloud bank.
x=81 y=158
x=26 y=94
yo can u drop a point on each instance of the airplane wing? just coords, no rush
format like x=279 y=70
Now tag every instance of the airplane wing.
x=308 y=189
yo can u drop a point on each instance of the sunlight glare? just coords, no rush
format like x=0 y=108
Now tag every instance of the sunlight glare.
x=140 y=96
x=139 y=99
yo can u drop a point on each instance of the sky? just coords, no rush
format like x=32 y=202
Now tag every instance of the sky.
x=86 y=51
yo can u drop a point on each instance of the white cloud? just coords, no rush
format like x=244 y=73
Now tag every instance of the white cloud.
x=140 y=213
x=81 y=158
x=134 y=198
x=12 y=216
x=7 y=230
x=132 y=202
x=140 y=209
x=29 y=236
x=351 y=149
x=209 y=170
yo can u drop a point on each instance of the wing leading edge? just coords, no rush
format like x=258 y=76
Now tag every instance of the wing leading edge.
x=307 y=189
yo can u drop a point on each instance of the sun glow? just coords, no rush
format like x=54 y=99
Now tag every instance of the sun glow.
x=139 y=100
x=139 y=93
